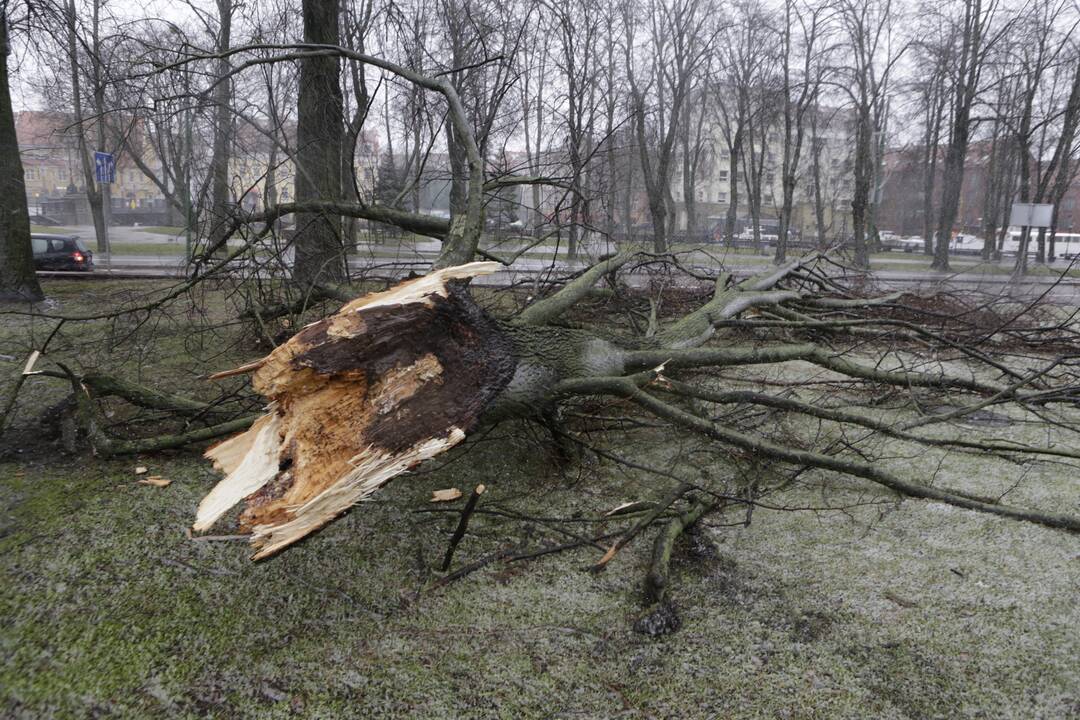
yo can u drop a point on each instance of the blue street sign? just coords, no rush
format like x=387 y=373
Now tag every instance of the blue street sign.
x=104 y=167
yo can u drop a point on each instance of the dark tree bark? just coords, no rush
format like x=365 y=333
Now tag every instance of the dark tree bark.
x=731 y=216
x=320 y=252
x=223 y=133
x=17 y=278
x=934 y=99
x=817 y=145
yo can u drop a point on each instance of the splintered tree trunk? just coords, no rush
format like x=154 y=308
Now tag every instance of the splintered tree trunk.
x=320 y=131
x=17 y=278
x=392 y=379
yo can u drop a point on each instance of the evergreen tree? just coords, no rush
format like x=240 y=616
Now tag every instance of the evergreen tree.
x=389 y=182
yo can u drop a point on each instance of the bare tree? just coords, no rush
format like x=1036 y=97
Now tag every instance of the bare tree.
x=745 y=48
x=799 y=95
x=977 y=33
x=1065 y=165
x=223 y=128
x=696 y=150
x=1037 y=107
x=576 y=29
x=679 y=38
x=873 y=53
x=1001 y=175
x=932 y=52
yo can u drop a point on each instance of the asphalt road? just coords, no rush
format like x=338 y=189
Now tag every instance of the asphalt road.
x=419 y=255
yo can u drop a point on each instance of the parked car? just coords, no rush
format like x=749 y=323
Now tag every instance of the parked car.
x=967 y=245
x=61 y=252
x=889 y=240
x=911 y=244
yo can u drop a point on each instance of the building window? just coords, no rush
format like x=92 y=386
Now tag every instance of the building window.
x=722 y=175
x=721 y=197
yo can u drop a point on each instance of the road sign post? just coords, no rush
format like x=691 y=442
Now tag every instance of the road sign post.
x=105 y=174
x=1031 y=215
x=104 y=167
x=1027 y=216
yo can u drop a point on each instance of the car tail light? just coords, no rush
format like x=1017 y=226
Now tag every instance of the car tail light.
x=77 y=257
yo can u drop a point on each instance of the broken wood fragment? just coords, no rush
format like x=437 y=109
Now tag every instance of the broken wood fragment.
x=155 y=480
x=447 y=495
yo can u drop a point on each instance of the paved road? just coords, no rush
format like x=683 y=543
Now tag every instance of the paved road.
x=417 y=256
x=1066 y=291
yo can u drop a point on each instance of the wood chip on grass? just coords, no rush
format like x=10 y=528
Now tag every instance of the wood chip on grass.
x=156 y=481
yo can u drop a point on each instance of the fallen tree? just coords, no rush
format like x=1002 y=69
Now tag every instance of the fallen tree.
x=397 y=377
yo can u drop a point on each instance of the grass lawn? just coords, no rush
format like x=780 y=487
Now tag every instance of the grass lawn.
x=162 y=230
x=51 y=230
x=887 y=610
x=974 y=268
x=168 y=249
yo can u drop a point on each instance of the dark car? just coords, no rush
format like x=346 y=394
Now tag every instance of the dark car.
x=61 y=252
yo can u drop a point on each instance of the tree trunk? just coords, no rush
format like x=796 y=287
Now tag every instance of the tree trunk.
x=815 y=171
x=935 y=109
x=17 y=278
x=220 y=211
x=732 y=214
x=952 y=179
x=861 y=197
x=320 y=256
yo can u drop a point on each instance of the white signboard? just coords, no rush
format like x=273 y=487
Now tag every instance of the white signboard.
x=1031 y=215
